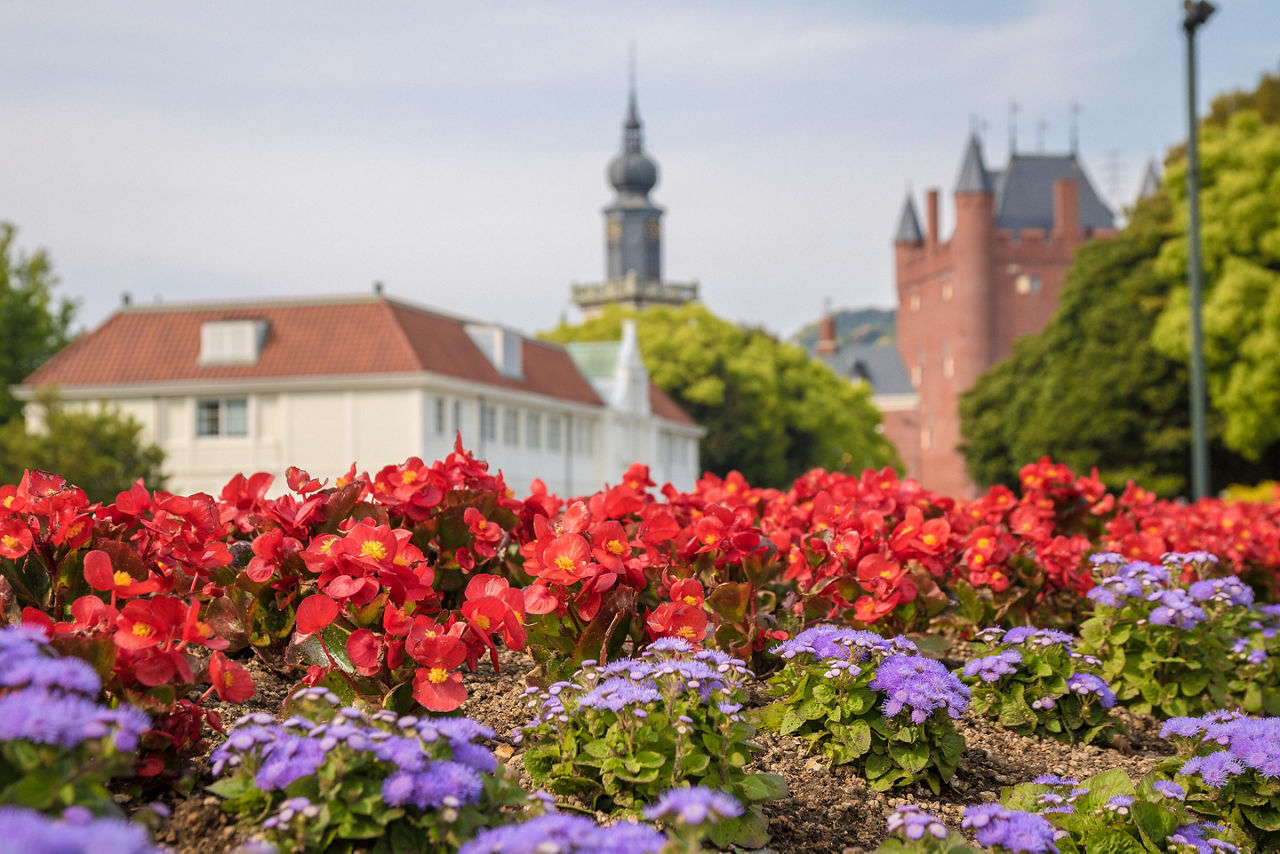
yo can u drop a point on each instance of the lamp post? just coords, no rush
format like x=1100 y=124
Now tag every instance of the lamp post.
x=1196 y=13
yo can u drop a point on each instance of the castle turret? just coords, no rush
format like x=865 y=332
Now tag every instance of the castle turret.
x=973 y=267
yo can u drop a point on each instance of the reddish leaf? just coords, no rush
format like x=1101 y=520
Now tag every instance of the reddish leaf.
x=316 y=612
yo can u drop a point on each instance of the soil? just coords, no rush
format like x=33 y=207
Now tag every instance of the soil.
x=826 y=810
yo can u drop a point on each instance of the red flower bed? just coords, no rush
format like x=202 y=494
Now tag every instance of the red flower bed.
x=384 y=586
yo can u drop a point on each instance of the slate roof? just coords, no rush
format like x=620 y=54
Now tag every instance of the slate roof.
x=908 y=224
x=317 y=338
x=1024 y=193
x=973 y=177
x=1150 y=181
x=880 y=366
x=599 y=359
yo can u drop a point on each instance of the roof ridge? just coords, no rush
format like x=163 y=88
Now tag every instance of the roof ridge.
x=242 y=305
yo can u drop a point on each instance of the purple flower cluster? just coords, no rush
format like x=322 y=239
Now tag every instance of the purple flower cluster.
x=1133 y=580
x=1176 y=608
x=1032 y=636
x=566 y=834
x=1170 y=790
x=668 y=668
x=429 y=763
x=45 y=699
x=1230 y=589
x=915 y=823
x=1088 y=684
x=830 y=642
x=1061 y=795
x=920 y=683
x=989 y=668
x=77 y=832
x=1197 y=836
x=1251 y=744
x=693 y=806
x=1010 y=830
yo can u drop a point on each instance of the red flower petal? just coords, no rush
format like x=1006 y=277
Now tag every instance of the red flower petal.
x=97 y=570
x=316 y=612
x=363 y=647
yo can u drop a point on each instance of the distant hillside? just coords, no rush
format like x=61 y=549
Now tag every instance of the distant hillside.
x=868 y=326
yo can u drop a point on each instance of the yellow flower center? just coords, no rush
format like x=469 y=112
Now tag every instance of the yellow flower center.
x=691 y=600
x=686 y=633
x=10 y=541
x=710 y=540
x=929 y=539
x=615 y=547
x=409 y=476
x=75 y=529
x=373 y=549
x=325 y=546
x=8 y=502
x=482 y=621
x=436 y=675
x=142 y=630
x=566 y=563
x=122 y=578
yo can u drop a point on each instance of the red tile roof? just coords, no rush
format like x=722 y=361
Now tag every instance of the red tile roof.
x=661 y=404
x=337 y=337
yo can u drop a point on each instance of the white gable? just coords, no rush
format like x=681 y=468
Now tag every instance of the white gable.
x=232 y=342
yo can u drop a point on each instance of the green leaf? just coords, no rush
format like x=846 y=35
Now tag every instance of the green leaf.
x=758 y=788
x=856 y=737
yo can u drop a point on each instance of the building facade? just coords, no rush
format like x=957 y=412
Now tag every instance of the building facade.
x=962 y=302
x=633 y=234
x=246 y=387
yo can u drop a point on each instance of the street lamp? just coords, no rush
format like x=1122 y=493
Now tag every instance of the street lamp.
x=1196 y=13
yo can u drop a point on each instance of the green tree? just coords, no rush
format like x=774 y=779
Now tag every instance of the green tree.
x=33 y=324
x=97 y=448
x=770 y=411
x=1240 y=204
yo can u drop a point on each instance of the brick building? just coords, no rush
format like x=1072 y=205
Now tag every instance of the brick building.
x=962 y=302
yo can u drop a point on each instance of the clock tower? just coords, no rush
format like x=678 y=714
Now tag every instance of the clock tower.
x=632 y=233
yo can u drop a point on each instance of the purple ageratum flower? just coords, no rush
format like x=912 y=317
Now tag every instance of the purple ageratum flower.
x=1183 y=727
x=1055 y=780
x=443 y=783
x=1230 y=589
x=921 y=683
x=1184 y=558
x=1012 y=830
x=829 y=641
x=26 y=831
x=1087 y=683
x=616 y=693
x=42 y=671
x=915 y=823
x=1214 y=770
x=693 y=806
x=1170 y=789
x=1194 y=835
x=1119 y=804
x=456 y=730
x=1107 y=558
x=670 y=644
x=1256 y=744
x=566 y=834
x=1177 y=608
x=290 y=757
x=44 y=716
x=991 y=667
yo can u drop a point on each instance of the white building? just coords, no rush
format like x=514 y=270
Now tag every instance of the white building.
x=232 y=388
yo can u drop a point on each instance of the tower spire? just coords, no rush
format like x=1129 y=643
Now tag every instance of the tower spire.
x=632 y=133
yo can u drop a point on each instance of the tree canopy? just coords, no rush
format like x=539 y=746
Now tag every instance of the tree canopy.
x=1105 y=383
x=33 y=324
x=97 y=449
x=770 y=411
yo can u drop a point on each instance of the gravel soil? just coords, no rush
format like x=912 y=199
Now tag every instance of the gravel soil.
x=826 y=810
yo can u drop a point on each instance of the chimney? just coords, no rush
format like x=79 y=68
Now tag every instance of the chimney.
x=827 y=344
x=1066 y=208
x=931 y=223
x=126 y=299
x=377 y=288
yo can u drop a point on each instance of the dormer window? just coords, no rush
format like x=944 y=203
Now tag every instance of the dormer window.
x=232 y=342
x=502 y=347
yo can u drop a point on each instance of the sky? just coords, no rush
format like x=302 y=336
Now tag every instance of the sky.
x=457 y=151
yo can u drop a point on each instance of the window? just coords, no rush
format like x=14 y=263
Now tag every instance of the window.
x=1027 y=284
x=948 y=363
x=457 y=416
x=440 y=407
x=231 y=342
x=511 y=426
x=553 y=432
x=488 y=422
x=914 y=301
x=946 y=292
x=222 y=417
x=533 y=429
